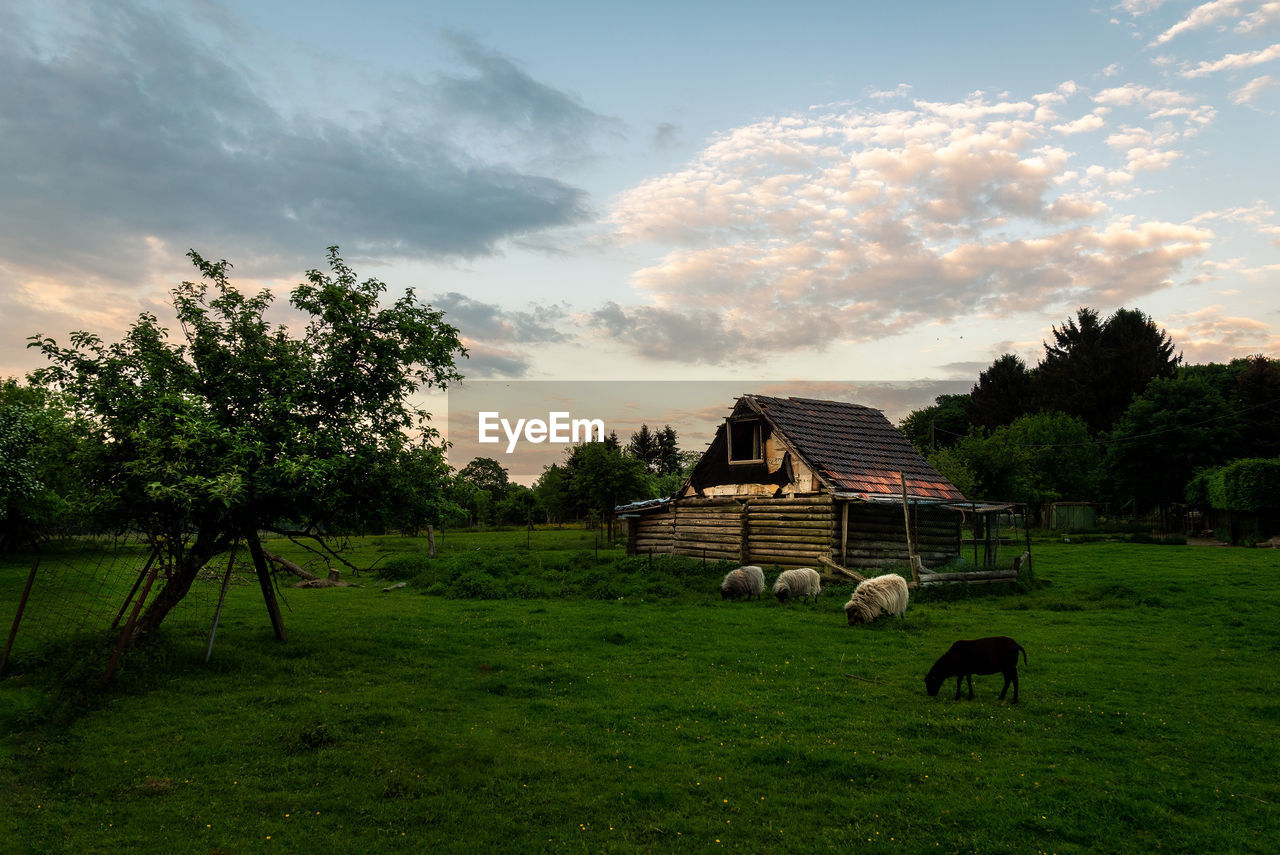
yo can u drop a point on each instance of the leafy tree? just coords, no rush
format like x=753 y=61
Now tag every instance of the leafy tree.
x=599 y=477
x=479 y=487
x=240 y=426
x=1256 y=400
x=1062 y=461
x=552 y=490
x=518 y=506
x=1003 y=392
x=1038 y=459
x=940 y=425
x=486 y=474
x=40 y=485
x=1172 y=429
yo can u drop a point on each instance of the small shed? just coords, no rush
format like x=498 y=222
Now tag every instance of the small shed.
x=803 y=482
x=1072 y=516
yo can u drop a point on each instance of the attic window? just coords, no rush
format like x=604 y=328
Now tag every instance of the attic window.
x=744 y=442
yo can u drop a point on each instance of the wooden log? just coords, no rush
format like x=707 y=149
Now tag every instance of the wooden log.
x=708 y=554
x=700 y=531
x=804 y=522
x=817 y=540
x=798 y=501
x=843 y=571
x=972 y=576
x=722 y=546
x=858 y=528
x=764 y=554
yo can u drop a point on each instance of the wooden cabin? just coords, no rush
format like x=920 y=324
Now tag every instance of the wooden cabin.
x=800 y=482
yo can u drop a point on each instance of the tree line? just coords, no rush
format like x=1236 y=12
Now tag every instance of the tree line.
x=593 y=479
x=1110 y=414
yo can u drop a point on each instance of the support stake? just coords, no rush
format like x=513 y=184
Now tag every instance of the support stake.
x=22 y=605
x=264 y=582
x=217 y=614
x=128 y=627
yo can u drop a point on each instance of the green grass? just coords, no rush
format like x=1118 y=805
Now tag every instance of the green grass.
x=666 y=720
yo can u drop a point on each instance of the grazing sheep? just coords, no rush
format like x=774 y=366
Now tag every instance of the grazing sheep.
x=742 y=582
x=980 y=656
x=803 y=582
x=881 y=595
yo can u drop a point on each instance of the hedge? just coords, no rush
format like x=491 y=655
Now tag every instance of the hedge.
x=1249 y=484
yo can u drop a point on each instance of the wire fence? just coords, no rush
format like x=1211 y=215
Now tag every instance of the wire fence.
x=69 y=605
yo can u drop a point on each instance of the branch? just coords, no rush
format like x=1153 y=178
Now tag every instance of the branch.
x=294 y=536
x=290 y=566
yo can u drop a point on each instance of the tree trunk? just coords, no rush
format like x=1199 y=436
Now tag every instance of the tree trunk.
x=178 y=582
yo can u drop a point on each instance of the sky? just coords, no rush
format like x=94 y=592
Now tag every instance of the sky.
x=887 y=195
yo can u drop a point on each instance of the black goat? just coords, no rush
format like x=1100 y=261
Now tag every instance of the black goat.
x=980 y=656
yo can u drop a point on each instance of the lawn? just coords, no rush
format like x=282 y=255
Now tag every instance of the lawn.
x=608 y=707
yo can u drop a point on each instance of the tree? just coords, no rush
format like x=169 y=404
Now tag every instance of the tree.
x=667 y=452
x=479 y=487
x=940 y=425
x=1256 y=399
x=599 y=477
x=552 y=491
x=486 y=474
x=241 y=426
x=1039 y=458
x=1003 y=392
x=40 y=485
x=643 y=446
x=519 y=505
x=1172 y=429
x=1095 y=368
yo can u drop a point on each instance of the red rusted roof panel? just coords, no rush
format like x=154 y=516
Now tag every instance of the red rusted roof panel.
x=855 y=448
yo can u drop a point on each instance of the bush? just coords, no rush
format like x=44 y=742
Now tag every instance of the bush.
x=1250 y=484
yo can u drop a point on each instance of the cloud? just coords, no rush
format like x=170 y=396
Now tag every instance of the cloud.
x=1234 y=62
x=665 y=135
x=491 y=322
x=1209 y=335
x=1141 y=7
x=1249 y=92
x=496 y=338
x=1201 y=16
x=497 y=108
x=846 y=225
x=1267 y=15
x=124 y=130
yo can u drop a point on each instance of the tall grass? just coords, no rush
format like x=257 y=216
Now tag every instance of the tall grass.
x=669 y=720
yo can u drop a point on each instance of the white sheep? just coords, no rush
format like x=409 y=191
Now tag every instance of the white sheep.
x=803 y=582
x=742 y=582
x=879 y=595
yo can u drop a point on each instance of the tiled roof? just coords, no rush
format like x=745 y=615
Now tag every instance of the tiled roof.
x=854 y=448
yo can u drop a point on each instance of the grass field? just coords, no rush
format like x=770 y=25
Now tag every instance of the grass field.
x=620 y=715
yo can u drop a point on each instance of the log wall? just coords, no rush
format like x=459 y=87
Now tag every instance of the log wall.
x=795 y=532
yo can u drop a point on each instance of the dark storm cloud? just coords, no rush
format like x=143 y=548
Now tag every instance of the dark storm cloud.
x=491 y=323
x=118 y=125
